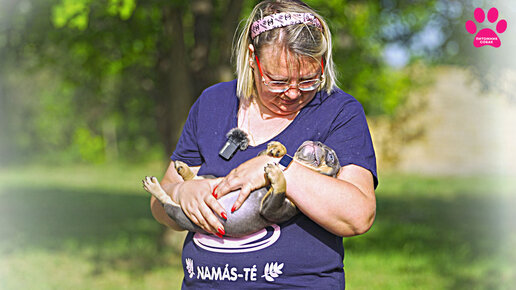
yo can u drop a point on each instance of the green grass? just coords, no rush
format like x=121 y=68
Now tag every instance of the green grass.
x=88 y=227
x=82 y=228
x=437 y=233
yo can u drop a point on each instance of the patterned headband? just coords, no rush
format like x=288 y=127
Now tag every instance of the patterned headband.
x=281 y=20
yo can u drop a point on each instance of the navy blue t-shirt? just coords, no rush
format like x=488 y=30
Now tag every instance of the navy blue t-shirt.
x=298 y=253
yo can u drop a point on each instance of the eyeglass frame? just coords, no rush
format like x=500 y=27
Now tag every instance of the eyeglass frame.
x=288 y=86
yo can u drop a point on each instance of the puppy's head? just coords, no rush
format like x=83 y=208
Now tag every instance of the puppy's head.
x=319 y=157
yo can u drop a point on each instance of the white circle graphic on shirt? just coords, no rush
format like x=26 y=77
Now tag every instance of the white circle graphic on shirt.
x=254 y=242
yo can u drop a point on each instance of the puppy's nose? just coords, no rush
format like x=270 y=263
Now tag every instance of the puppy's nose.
x=308 y=149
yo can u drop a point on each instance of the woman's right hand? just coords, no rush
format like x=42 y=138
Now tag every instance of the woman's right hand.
x=199 y=205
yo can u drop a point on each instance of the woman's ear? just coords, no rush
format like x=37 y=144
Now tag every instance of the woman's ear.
x=251 y=56
x=251 y=50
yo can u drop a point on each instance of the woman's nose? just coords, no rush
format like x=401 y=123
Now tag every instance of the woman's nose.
x=293 y=92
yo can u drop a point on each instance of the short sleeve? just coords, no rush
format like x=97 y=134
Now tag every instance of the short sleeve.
x=187 y=149
x=349 y=136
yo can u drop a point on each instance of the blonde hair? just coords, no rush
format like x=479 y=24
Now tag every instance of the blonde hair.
x=298 y=39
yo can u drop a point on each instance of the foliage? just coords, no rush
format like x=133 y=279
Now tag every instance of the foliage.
x=118 y=76
x=82 y=90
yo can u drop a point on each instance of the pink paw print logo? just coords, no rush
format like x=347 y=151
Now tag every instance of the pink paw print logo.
x=486 y=36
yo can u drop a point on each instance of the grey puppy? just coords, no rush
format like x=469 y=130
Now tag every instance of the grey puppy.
x=264 y=206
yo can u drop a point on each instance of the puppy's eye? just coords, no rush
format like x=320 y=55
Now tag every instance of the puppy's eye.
x=330 y=159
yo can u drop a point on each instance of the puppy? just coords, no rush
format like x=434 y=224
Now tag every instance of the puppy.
x=264 y=206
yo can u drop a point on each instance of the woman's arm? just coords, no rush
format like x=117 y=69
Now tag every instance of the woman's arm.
x=345 y=206
x=195 y=199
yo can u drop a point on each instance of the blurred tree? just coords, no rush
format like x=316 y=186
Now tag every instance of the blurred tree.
x=118 y=64
x=84 y=78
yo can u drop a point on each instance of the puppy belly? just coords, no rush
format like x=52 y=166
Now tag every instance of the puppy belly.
x=247 y=219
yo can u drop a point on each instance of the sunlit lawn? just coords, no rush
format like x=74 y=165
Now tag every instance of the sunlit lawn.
x=437 y=233
x=88 y=227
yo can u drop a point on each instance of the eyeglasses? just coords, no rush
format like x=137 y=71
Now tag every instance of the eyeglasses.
x=281 y=86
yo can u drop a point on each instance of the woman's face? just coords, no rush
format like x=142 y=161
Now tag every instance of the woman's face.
x=277 y=66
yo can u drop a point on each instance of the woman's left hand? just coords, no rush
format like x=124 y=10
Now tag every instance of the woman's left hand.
x=247 y=177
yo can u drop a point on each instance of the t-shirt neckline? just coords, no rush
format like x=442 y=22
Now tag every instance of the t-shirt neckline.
x=277 y=137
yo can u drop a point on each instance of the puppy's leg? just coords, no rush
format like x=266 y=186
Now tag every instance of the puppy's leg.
x=172 y=209
x=275 y=207
x=152 y=185
x=183 y=170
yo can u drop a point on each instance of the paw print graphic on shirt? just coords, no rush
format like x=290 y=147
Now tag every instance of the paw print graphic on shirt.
x=486 y=36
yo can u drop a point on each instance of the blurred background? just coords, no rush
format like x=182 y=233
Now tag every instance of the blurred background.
x=94 y=93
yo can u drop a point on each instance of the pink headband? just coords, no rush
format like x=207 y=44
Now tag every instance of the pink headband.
x=281 y=20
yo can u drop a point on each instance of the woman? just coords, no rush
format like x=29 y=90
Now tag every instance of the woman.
x=285 y=91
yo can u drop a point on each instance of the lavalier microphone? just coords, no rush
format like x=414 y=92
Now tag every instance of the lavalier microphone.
x=237 y=139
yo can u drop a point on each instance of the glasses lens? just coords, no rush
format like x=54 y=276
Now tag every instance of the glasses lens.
x=277 y=86
x=280 y=87
x=309 y=85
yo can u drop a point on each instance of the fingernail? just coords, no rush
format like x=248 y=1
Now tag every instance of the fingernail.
x=221 y=231
x=213 y=193
x=224 y=215
x=233 y=208
x=219 y=235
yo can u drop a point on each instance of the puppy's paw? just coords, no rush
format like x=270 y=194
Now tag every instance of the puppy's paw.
x=181 y=167
x=151 y=184
x=273 y=172
x=276 y=149
x=184 y=170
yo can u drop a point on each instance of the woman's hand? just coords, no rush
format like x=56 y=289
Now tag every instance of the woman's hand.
x=247 y=177
x=199 y=204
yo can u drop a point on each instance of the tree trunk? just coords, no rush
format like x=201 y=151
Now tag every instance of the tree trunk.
x=202 y=72
x=229 y=25
x=173 y=92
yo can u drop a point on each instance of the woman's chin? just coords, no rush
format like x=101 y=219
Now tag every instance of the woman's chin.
x=284 y=110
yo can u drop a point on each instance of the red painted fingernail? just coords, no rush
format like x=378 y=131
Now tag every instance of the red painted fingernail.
x=224 y=215
x=219 y=235
x=233 y=208
x=221 y=231
x=213 y=193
